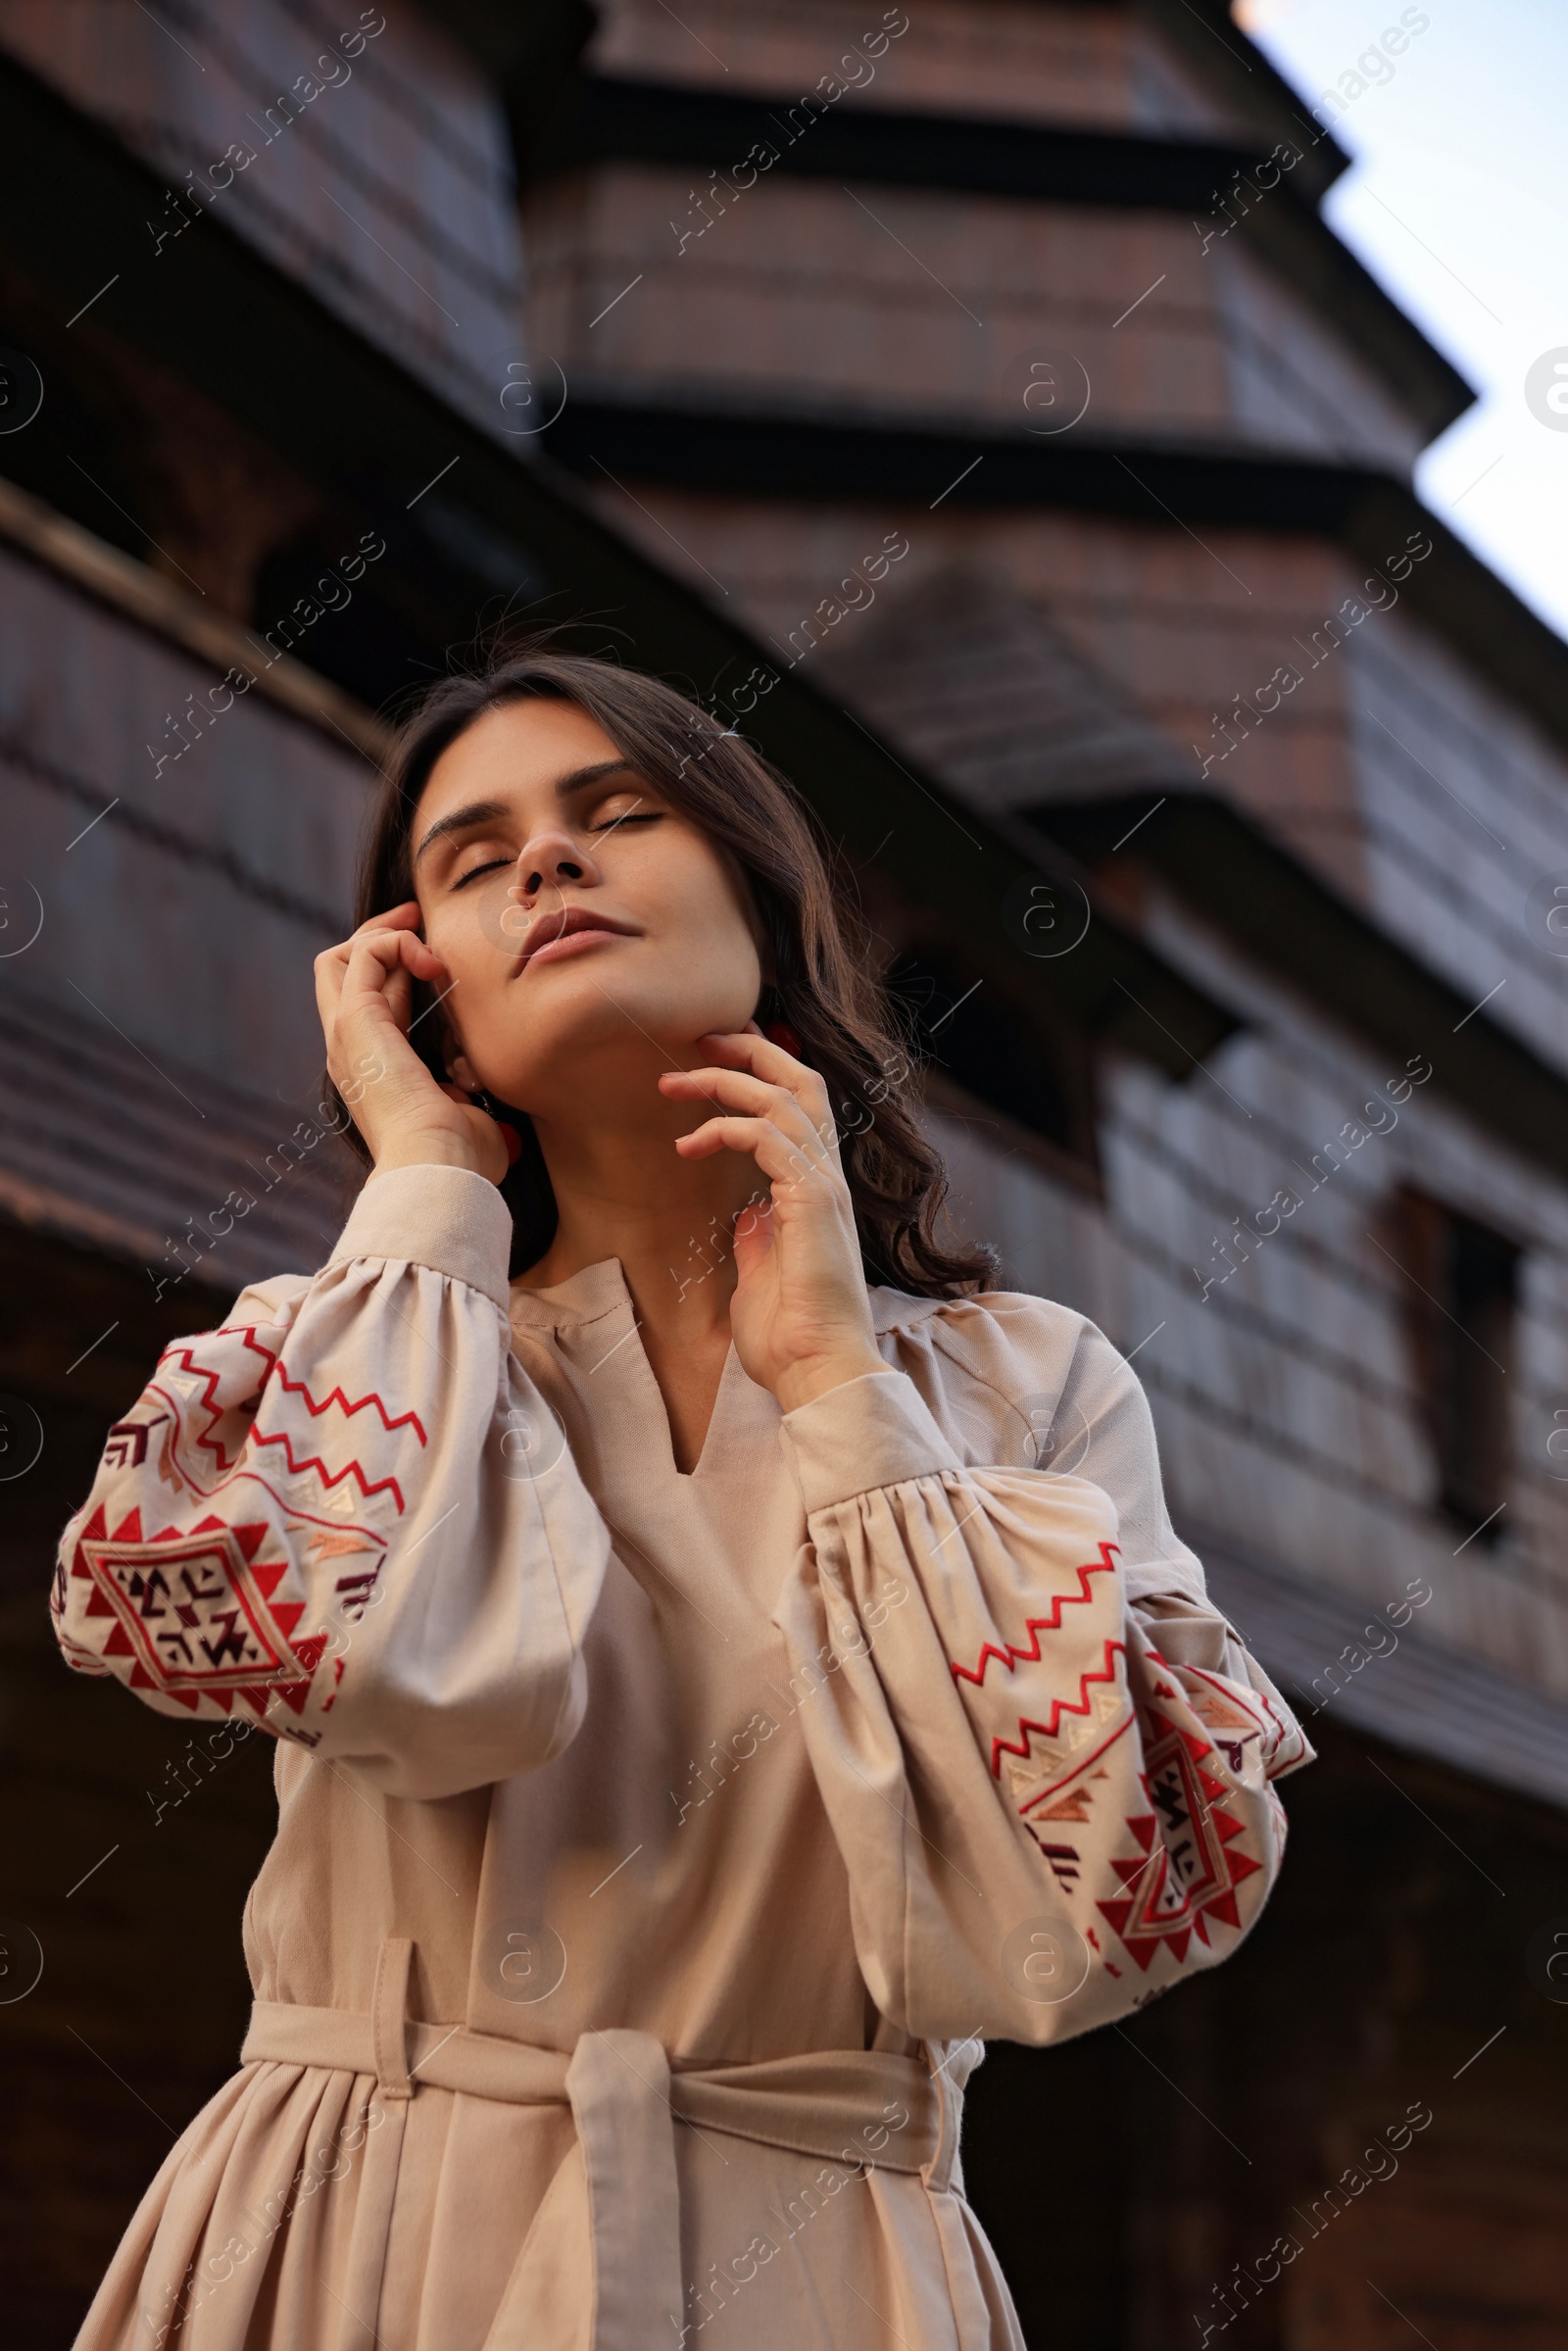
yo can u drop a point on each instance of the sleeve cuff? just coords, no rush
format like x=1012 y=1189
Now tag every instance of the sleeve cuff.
x=448 y=1218
x=872 y=1432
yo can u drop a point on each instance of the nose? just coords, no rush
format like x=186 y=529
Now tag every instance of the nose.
x=549 y=858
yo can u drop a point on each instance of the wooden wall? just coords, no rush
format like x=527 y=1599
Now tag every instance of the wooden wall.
x=1090 y=65
x=389 y=193
x=903 y=303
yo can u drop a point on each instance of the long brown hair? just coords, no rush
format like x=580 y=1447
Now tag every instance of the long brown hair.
x=823 y=986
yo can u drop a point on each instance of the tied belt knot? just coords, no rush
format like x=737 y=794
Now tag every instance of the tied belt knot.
x=620 y=2208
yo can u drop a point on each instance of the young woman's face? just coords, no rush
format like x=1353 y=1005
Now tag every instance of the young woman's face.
x=590 y=930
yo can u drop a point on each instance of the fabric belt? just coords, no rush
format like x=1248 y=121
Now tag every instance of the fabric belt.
x=624 y=2100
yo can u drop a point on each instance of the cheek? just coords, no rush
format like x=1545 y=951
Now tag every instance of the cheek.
x=701 y=912
x=464 y=933
x=477 y=971
x=447 y=934
x=720 y=922
x=719 y=941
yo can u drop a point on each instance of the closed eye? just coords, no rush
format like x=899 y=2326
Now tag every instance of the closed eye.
x=603 y=827
x=613 y=824
x=491 y=865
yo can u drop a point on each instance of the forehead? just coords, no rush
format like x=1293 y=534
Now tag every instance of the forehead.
x=523 y=747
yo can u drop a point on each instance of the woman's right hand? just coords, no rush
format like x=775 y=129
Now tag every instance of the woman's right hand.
x=365 y=992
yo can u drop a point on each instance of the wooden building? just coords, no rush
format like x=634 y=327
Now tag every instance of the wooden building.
x=970 y=401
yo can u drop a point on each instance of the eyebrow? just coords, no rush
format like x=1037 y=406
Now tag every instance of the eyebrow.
x=485 y=811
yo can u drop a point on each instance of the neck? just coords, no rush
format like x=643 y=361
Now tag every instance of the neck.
x=621 y=1191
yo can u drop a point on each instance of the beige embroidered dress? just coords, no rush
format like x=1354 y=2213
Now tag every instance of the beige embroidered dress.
x=655 y=1850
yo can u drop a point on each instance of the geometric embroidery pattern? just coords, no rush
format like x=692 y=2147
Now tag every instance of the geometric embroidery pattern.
x=1074 y=1807
x=1063 y=1859
x=199 y=1612
x=1187 y=1867
x=127 y=1442
x=1222 y=1706
x=1224 y=1718
x=195 y=1613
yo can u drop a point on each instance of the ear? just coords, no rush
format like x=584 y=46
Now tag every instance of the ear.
x=454 y=1060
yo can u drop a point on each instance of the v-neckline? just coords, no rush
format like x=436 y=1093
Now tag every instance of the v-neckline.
x=689 y=1477
x=590 y=1294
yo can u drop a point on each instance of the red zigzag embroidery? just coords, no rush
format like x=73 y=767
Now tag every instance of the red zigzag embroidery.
x=1011 y=1657
x=330 y=1478
x=207 y=1444
x=1104 y=1565
x=274 y=1367
x=1059 y=1707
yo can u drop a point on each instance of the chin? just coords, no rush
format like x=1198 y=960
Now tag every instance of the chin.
x=589 y=1035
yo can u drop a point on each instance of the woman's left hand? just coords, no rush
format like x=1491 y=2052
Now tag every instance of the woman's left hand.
x=801 y=1315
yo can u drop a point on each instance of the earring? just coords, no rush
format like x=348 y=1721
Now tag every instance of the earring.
x=509 y=1133
x=769 y=1018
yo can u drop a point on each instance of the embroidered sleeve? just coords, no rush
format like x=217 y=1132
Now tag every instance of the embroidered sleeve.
x=1045 y=1820
x=348 y=1517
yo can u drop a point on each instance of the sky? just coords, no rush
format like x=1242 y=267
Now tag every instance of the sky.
x=1458 y=202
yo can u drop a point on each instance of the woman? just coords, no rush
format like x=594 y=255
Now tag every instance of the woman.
x=699 y=1721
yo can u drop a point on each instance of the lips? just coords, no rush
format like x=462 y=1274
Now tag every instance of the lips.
x=571 y=931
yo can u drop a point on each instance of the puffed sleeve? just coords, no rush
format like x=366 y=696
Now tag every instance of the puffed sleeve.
x=348 y=1517
x=1050 y=1805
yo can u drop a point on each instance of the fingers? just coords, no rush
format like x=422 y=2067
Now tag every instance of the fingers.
x=371 y=965
x=400 y=921
x=405 y=917
x=748 y=1049
x=781 y=1159
x=376 y=957
x=739 y=1089
x=394 y=949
